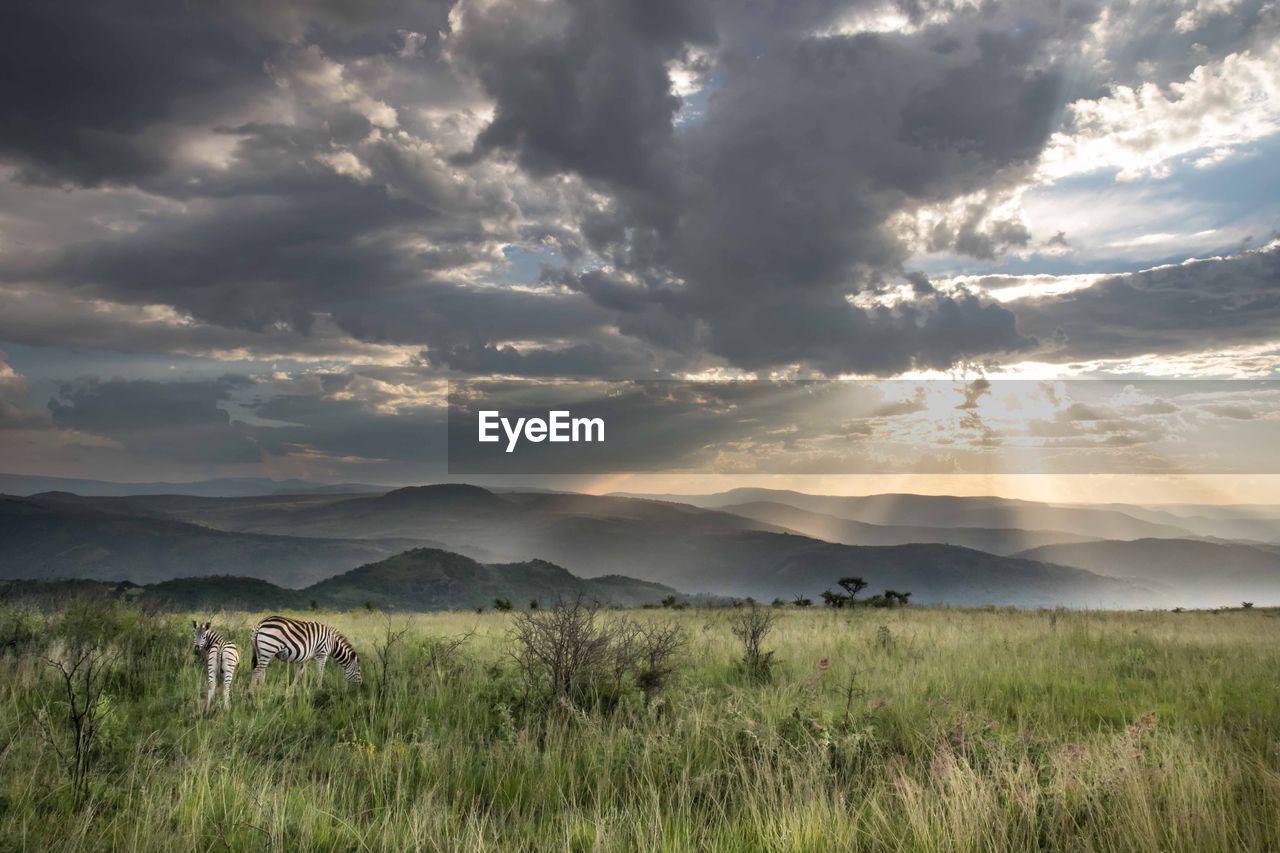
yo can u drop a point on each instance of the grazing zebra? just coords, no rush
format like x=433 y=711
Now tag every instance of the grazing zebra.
x=298 y=641
x=221 y=658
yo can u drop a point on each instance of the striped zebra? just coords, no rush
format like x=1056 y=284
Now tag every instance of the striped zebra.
x=221 y=658
x=298 y=641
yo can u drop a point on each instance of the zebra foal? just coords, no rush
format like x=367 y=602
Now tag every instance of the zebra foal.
x=221 y=658
x=298 y=641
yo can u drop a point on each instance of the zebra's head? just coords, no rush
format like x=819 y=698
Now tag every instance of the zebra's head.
x=200 y=637
x=345 y=654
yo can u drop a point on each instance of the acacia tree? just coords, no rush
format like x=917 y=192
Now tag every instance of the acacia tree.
x=852 y=586
x=834 y=599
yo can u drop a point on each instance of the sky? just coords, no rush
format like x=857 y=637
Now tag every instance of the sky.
x=245 y=239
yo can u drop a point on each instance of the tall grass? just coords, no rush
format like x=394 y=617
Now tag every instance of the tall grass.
x=927 y=729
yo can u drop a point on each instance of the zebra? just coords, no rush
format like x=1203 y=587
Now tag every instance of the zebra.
x=221 y=658
x=298 y=641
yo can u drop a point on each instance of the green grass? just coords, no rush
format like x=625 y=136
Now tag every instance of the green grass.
x=958 y=730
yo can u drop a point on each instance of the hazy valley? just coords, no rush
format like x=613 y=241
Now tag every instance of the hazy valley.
x=748 y=542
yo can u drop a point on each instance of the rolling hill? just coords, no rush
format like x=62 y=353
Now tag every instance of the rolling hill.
x=422 y=579
x=950 y=511
x=847 y=532
x=431 y=579
x=692 y=549
x=688 y=548
x=25 y=485
x=57 y=539
x=1190 y=572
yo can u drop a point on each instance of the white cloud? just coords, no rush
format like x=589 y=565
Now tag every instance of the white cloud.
x=316 y=79
x=1142 y=131
x=1203 y=12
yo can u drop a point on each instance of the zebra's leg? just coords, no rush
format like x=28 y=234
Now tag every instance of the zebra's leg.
x=259 y=668
x=228 y=674
x=321 y=657
x=302 y=671
x=212 y=666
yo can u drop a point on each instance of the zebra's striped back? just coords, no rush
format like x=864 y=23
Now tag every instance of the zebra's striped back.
x=220 y=655
x=298 y=640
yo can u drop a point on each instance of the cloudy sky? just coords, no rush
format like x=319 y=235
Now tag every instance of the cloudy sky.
x=254 y=239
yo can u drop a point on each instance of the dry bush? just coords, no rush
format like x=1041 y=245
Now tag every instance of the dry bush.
x=751 y=625
x=71 y=726
x=574 y=654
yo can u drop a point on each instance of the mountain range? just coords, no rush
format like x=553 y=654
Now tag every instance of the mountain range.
x=221 y=487
x=49 y=538
x=746 y=542
x=420 y=579
x=1213 y=573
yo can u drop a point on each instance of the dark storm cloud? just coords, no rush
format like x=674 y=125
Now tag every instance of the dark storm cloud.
x=337 y=416
x=579 y=360
x=774 y=208
x=354 y=190
x=582 y=87
x=349 y=427
x=274 y=238
x=181 y=421
x=16 y=411
x=95 y=92
x=88 y=90
x=1186 y=307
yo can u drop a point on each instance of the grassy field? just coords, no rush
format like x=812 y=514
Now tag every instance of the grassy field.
x=929 y=729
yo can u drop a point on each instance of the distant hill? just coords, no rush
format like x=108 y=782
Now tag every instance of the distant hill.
x=691 y=549
x=53 y=538
x=845 y=531
x=423 y=579
x=466 y=519
x=24 y=484
x=951 y=511
x=431 y=579
x=1260 y=522
x=1192 y=572
x=946 y=574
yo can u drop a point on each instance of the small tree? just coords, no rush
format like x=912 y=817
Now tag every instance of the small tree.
x=1247 y=605
x=502 y=605
x=751 y=625
x=852 y=586
x=801 y=601
x=384 y=652
x=83 y=673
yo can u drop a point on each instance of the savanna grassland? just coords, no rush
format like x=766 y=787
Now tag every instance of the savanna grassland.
x=928 y=729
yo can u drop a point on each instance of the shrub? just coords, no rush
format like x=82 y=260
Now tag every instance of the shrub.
x=19 y=631
x=70 y=725
x=561 y=648
x=573 y=655
x=751 y=625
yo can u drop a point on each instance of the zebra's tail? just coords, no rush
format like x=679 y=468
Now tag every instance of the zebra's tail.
x=253 y=644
